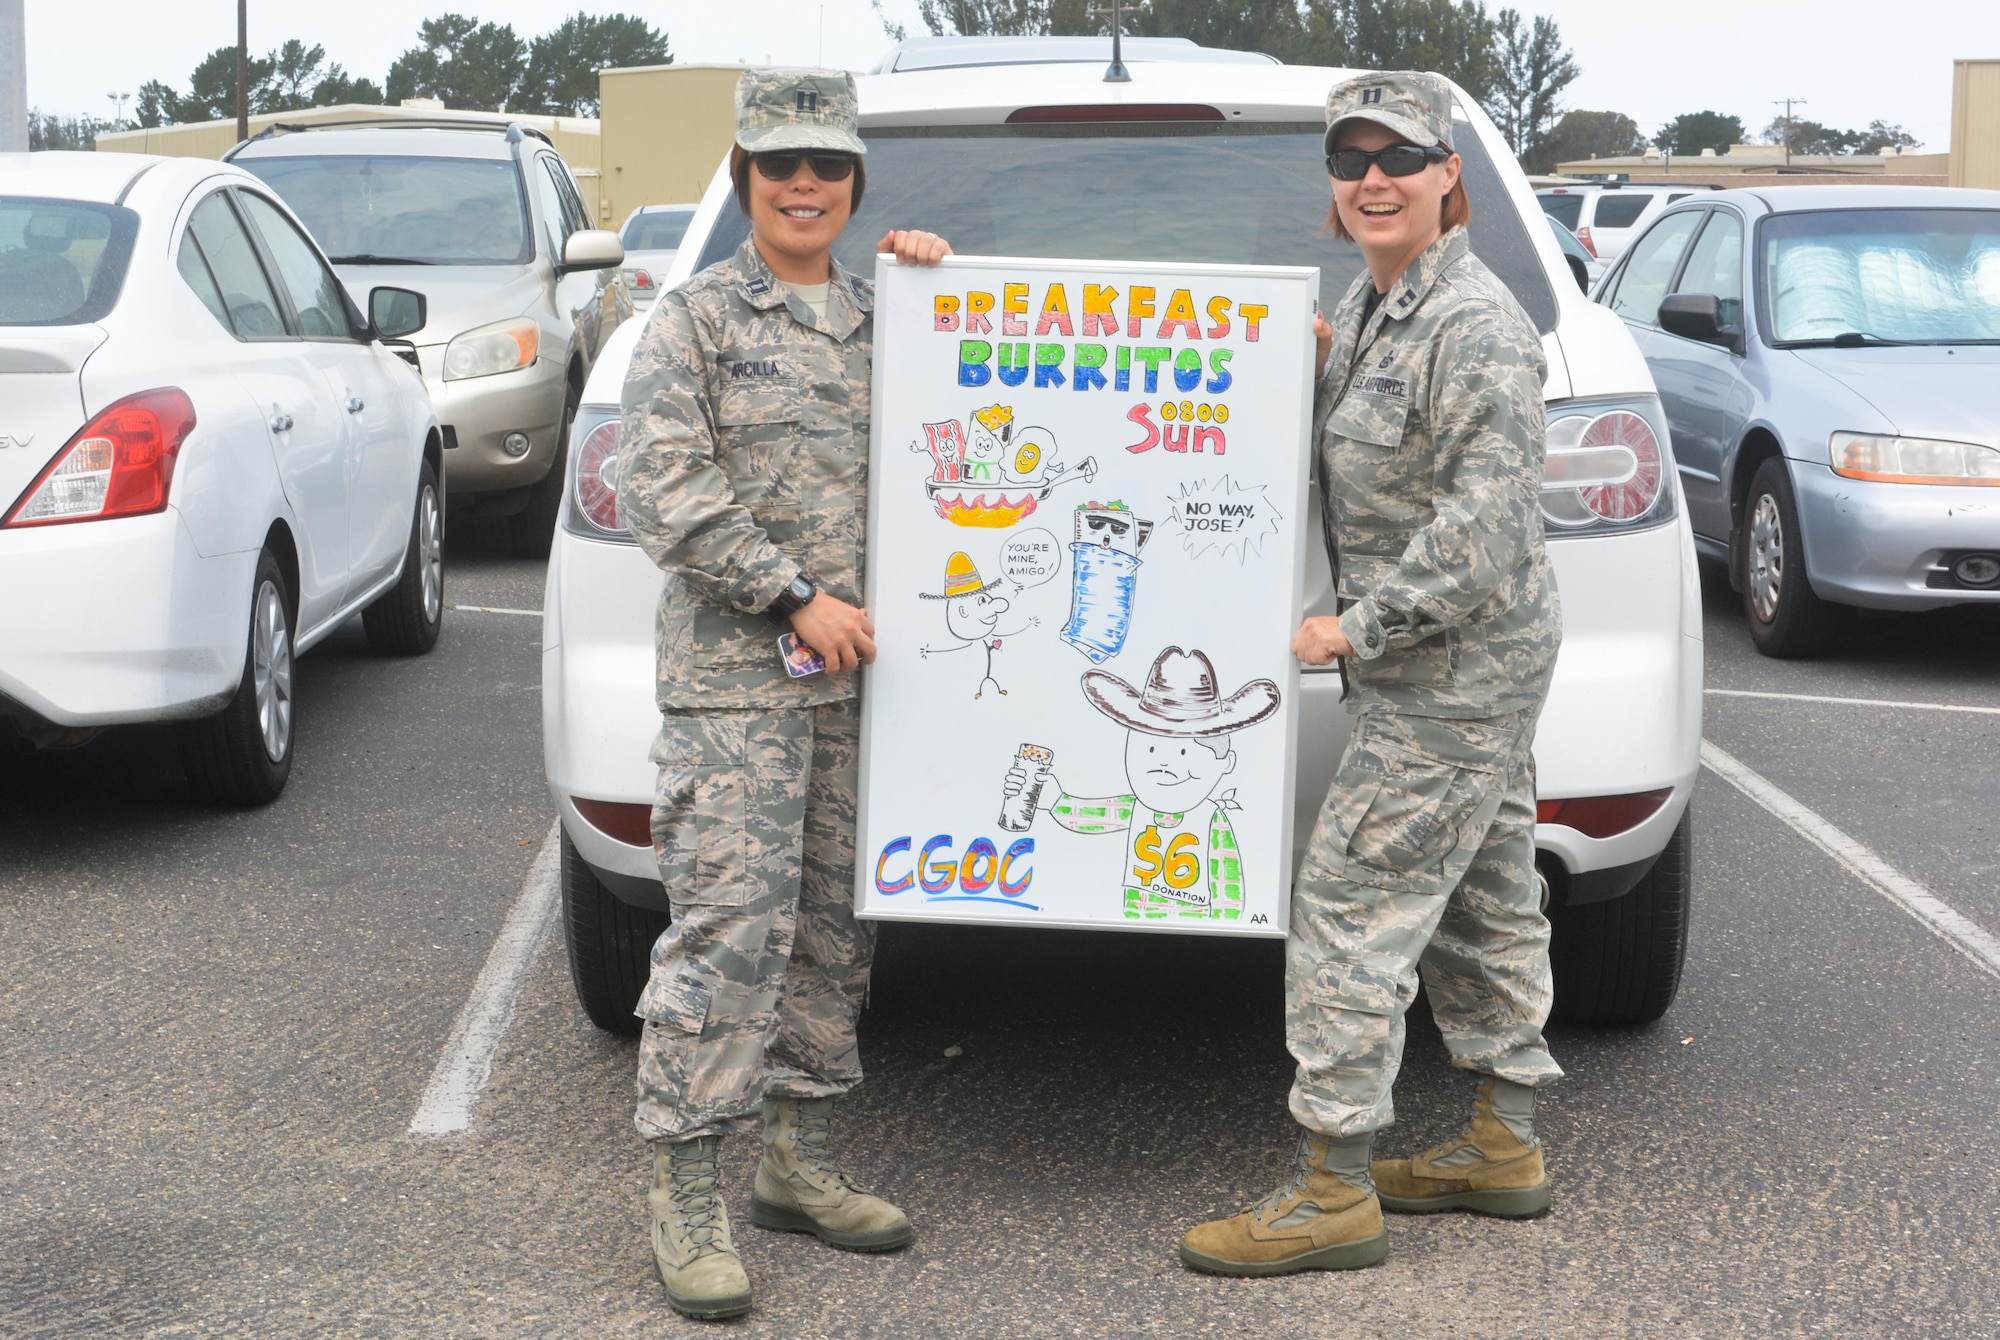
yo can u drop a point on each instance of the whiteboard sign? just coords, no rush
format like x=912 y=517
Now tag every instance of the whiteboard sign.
x=1086 y=529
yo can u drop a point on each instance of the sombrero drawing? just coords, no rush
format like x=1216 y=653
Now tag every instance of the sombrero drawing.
x=961 y=578
x=1181 y=697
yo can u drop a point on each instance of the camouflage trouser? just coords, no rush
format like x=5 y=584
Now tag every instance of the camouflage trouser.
x=1424 y=853
x=757 y=985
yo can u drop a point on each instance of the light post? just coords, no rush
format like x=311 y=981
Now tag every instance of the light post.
x=1787 y=102
x=242 y=70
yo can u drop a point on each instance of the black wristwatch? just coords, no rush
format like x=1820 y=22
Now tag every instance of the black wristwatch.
x=794 y=597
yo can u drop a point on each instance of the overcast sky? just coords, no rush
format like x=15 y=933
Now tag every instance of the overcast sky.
x=1852 y=62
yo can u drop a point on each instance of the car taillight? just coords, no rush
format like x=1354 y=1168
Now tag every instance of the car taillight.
x=1602 y=816
x=593 y=497
x=121 y=463
x=640 y=279
x=1583 y=236
x=629 y=824
x=1604 y=467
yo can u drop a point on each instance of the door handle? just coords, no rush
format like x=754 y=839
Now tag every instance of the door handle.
x=354 y=405
x=281 y=422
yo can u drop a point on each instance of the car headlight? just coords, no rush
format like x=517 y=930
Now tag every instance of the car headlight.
x=485 y=350
x=1608 y=467
x=1913 y=460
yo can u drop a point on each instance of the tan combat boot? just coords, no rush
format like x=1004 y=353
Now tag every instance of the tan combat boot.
x=691 y=1247
x=1487 y=1170
x=1316 y=1221
x=801 y=1188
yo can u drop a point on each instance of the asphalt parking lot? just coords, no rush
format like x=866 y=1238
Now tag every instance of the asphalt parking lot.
x=215 y=1029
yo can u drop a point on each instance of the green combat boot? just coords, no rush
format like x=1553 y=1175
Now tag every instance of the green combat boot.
x=1316 y=1221
x=801 y=1188
x=691 y=1247
x=1493 y=1167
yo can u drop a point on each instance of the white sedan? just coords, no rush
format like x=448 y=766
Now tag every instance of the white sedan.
x=210 y=458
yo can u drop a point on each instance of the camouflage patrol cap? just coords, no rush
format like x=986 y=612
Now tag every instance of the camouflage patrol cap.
x=1411 y=103
x=780 y=109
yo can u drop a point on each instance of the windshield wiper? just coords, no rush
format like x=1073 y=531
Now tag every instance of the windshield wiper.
x=1847 y=339
x=370 y=258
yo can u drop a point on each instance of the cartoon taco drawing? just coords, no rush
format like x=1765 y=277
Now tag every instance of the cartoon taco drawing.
x=991 y=475
x=1181 y=858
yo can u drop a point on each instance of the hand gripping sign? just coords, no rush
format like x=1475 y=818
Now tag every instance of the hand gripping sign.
x=1073 y=719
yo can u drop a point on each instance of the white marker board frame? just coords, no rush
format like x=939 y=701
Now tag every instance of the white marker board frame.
x=1151 y=660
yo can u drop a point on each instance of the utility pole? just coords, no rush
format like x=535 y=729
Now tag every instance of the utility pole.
x=1787 y=102
x=13 y=77
x=242 y=70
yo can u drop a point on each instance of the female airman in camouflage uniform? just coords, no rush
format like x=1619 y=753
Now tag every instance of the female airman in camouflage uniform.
x=743 y=473
x=1428 y=443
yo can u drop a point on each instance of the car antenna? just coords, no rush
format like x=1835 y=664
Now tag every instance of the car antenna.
x=1116 y=73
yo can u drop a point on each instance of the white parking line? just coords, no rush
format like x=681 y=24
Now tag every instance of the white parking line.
x=1855 y=702
x=467 y=1063
x=1936 y=914
x=494 y=609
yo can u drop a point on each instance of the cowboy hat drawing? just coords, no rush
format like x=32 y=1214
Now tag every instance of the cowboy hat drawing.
x=1181 y=697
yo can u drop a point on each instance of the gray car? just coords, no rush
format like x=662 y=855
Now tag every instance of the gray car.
x=485 y=220
x=1828 y=358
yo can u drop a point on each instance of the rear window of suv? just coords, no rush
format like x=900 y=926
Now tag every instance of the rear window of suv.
x=404 y=209
x=1620 y=210
x=62 y=262
x=1165 y=191
x=1564 y=209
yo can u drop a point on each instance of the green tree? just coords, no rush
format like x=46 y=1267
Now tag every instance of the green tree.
x=338 y=89
x=47 y=131
x=1452 y=39
x=1881 y=135
x=1531 y=68
x=211 y=92
x=155 y=105
x=1580 y=135
x=993 y=18
x=462 y=62
x=562 y=65
x=1691 y=132
x=1270 y=26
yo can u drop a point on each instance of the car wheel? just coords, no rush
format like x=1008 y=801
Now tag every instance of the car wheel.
x=1619 y=962
x=1787 y=618
x=610 y=945
x=531 y=530
x=243 y=754
x=405 y=620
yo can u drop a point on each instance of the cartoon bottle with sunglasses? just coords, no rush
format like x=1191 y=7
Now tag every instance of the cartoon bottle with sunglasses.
x=1104 y=578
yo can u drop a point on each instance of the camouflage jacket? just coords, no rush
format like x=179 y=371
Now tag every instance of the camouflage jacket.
x=743 y=461
x=1429 y=428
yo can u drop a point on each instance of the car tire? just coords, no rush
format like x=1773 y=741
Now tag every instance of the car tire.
x=1618 y=963
x=1787 y=618
x=406 y=619
x=532 y=530
x=610 y=945
x=243 y=754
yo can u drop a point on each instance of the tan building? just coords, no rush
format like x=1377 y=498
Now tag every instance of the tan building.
x=1766 y=161
x=575 y=137
x=666 y=128
x=1975 y=123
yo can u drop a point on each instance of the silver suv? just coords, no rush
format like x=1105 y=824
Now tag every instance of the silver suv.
x=1607 y=216
x=485 y=220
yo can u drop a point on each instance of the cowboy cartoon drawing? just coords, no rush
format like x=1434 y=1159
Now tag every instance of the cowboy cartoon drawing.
x=972 y=612
x=1181 y=858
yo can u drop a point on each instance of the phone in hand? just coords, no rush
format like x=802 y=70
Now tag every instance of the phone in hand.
x=800 y=659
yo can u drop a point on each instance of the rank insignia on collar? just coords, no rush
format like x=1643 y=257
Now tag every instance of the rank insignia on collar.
x=758 y=286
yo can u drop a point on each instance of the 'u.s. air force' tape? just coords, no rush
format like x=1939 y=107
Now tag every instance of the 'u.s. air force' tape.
x=1390 y=386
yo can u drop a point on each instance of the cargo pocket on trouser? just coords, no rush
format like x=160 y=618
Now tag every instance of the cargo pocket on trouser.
x=699 y=808
x=701 y=1061
x=1344 y=1026
x=1402 y=827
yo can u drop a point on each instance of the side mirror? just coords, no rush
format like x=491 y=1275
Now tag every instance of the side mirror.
x=395 y=313
x=1698 y=317
x=593 y=249
x=1578 y=273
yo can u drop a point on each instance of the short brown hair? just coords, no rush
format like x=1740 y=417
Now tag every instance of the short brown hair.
x=739 y=175
x=1457 y=212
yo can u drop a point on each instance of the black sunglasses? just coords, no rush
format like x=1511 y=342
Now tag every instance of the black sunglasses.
x=784 y=166
x=1398 y=160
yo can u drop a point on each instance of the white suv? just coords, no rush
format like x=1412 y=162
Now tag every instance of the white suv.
x=1035 y=154
x=1606 y=217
